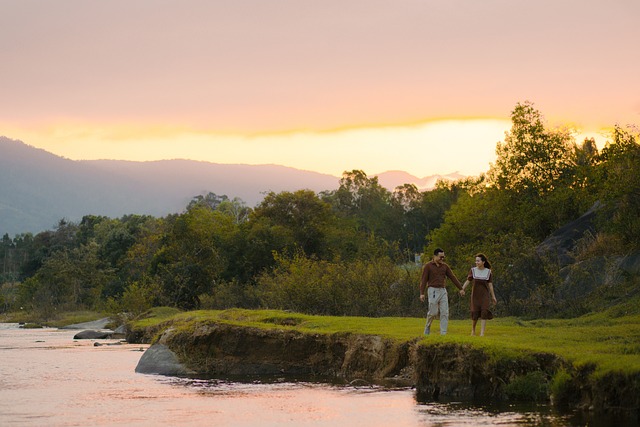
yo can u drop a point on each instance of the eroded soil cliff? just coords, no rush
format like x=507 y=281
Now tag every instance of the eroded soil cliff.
x=436 y=370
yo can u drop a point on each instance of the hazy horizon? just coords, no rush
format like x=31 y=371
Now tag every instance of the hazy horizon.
x=424 y=86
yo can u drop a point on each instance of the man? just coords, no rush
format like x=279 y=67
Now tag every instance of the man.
x=434 y=274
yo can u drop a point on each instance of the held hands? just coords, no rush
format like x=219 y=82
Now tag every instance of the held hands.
x=461 y=292
x=422 y=298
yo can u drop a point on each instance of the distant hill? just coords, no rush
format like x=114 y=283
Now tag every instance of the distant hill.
x=393 y=179
x=38 y=188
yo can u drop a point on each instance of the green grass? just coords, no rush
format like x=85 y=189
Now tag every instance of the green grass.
x=612 y=344
x=156 y=316
x=16 y=317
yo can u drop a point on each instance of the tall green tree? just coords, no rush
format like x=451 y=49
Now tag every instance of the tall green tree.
x=533 y=160
x=532 y=164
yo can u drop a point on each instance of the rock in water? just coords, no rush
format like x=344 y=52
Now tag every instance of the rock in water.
x=93 y=335
x=159 y=359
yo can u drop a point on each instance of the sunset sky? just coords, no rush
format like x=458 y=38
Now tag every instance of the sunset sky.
x=416 y=85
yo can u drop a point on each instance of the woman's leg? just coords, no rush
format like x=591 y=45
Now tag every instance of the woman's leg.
x=473 y=326
x=483 y=325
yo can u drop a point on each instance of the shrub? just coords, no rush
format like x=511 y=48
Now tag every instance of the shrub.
x=374 y=287
x=137 y=298
x=530 y=387
x=560 y=386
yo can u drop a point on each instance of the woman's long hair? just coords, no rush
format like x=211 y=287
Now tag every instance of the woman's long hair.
x=485 y=260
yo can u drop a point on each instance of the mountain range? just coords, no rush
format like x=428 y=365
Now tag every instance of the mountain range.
x=39 y=188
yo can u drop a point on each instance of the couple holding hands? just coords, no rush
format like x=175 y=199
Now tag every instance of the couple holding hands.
x=432 y=286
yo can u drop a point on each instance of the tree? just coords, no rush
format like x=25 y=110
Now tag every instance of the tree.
x=620 y=184
x=46 y=243
x=423 y=212
x=532 y=160
x=87 y=227
x=236 y=209
x=406 y=199
x=210 y=200
x=69 y=279
x=137 y=262
x=532 y=172
x=115 y=237
x=7 y=258
x=191 y=257
x=364 y=199
x=302 y=214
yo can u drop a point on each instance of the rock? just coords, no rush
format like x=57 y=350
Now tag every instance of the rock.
x=582 y=278
x=93 y=335
x=96 y=324
x=631 y=264
x=97 y=344
x=120 y=332
x=559 y=245
x=160 y=360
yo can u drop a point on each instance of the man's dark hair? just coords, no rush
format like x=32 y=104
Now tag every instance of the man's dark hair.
x=437 y=251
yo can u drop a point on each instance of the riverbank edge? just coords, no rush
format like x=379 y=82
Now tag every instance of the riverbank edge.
x=435 y=370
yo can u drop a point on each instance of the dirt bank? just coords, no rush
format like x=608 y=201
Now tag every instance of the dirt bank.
x=223 y=349
x=436 y=370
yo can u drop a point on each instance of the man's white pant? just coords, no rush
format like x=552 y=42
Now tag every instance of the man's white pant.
x=438 y=309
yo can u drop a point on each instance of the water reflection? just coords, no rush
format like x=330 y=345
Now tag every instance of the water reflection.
x=382 y=399
x=459 y=414
x=282 y=402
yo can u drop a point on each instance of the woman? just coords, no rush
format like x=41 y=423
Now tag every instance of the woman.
x=482 y=295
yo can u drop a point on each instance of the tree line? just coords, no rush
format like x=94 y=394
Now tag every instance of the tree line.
x=350 y=251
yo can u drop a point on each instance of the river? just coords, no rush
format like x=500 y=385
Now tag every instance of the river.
x=49 y=379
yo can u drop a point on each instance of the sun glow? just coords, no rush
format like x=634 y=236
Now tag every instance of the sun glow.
x=435 y=147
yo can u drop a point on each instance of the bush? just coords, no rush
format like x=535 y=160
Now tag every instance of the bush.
x=560 y=387
x=137 y=298
x=375 y=287
x=530 y=387
x=225 y=295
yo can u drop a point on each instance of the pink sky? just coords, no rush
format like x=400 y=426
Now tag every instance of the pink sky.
x=381 y=84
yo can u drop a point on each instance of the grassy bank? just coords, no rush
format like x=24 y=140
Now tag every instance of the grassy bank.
x=611 y=344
